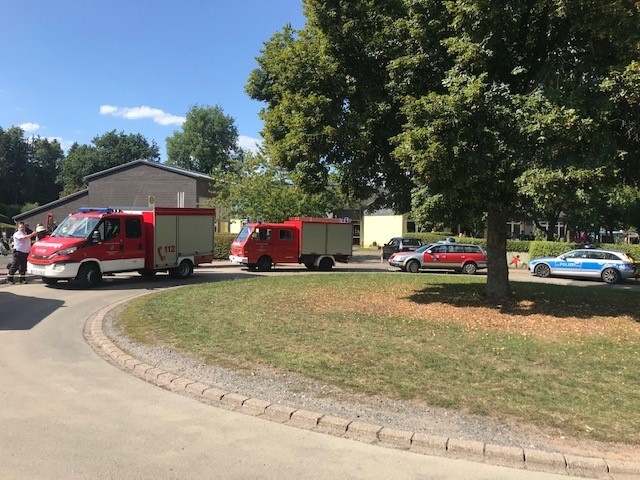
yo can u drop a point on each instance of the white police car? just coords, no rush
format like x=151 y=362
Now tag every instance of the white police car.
x=608 y=265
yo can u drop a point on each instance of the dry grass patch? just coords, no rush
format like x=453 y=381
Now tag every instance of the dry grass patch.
x=542 y=317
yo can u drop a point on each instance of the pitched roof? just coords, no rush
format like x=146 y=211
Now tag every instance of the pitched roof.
x=50 y=205
x=162 y=166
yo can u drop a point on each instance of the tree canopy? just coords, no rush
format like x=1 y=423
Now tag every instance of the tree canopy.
x=27 y=167
x=208 y=140
x=258 y=189
x=457 y=106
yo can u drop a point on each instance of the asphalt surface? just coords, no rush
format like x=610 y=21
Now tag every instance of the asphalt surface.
x=66 y=412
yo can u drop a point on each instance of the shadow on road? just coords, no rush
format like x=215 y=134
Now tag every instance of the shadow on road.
x=12 y=307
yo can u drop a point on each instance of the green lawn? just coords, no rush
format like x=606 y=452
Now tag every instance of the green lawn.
x=562 y=357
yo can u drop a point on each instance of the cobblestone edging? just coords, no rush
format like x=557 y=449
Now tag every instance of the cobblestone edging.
x=506 y=456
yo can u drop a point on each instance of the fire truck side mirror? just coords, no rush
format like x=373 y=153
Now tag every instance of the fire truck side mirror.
x=95 y=237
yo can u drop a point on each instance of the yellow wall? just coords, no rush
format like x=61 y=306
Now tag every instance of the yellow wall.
x=381 y=228
x=235 y=225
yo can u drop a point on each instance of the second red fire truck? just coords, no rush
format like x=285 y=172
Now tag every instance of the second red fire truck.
x=318 y=243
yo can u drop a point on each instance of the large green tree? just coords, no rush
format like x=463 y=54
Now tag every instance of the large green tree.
x=257 y=188
x=525 y=93
x=476 y=96
x=27 y=167
x=108 y=150
x=208 y=140
x=44 y=165
x=329 y=107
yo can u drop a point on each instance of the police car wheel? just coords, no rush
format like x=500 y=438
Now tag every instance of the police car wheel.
x=542 y=270
x=611 y=275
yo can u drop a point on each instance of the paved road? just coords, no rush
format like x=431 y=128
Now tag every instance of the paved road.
x=67 y=414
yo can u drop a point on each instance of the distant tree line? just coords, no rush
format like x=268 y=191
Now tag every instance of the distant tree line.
x=35 y=171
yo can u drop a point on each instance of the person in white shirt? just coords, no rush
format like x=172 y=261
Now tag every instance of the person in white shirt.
x=21 y=246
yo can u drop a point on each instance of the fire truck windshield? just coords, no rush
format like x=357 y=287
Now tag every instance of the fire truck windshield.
x=244 y=234
x=76 y=227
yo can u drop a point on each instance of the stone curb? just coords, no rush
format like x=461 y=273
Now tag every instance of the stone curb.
x=499 y=455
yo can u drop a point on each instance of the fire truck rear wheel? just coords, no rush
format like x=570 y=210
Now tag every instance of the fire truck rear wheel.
x=264 y=264
x=184 y=270
x=325 y=264
x=89 y=275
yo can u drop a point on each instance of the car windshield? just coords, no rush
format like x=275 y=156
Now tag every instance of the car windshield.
x=76 y=227
x=244 y=234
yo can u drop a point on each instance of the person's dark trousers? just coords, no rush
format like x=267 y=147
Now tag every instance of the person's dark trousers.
x=19 y=265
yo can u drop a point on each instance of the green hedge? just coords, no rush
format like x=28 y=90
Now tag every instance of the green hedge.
x=553 y=249
x=222 y=244
x=432 y=237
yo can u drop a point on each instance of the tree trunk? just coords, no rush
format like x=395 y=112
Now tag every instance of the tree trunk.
x=498 y=288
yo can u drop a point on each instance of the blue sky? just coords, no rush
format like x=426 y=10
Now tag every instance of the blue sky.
x=76 y=69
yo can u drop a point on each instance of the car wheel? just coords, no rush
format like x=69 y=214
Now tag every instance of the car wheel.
x=413 y=266
x=469 y=268
x=184 y=270
x=610 y=275
x=264 y=264
x=542 y=270
x=325 y=264
x=89 y=275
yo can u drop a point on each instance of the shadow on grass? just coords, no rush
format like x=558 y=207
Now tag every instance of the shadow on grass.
x=537 y=299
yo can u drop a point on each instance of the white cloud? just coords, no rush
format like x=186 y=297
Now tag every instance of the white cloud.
x=249 y=143
x=136 y=113
x=30 y=127
x=108 y=110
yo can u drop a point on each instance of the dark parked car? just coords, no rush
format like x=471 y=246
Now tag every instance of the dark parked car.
x=400 y=244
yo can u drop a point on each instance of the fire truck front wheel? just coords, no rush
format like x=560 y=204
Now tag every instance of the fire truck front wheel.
x=264 y=264
x=89 y=275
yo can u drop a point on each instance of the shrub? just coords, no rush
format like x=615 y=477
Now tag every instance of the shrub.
x=222 y=245
x=518 y=245
x=553 y=249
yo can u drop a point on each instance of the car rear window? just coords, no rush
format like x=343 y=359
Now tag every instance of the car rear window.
x=412 y=242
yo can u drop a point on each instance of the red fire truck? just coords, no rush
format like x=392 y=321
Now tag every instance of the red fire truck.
x=96 y=241
x=318 y=243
